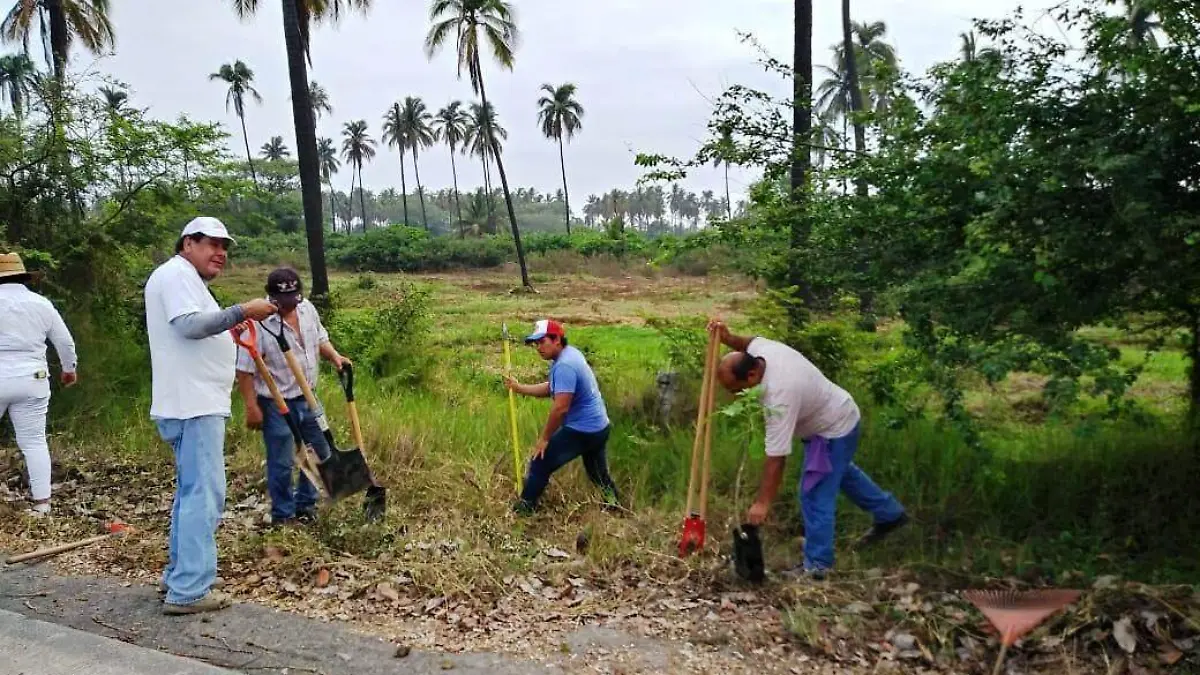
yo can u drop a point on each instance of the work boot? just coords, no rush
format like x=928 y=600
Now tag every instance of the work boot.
x=211 y=602
x=802 y=573
x=880 y=530
x=306 y=516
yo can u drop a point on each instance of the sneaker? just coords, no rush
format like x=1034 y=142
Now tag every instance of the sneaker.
x=880 y=530
x=802 y=573
x=521 y=508
x=306 y=516
x=39 y=509
x=211 y=602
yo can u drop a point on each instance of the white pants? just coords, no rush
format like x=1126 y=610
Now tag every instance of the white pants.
x=27 y=400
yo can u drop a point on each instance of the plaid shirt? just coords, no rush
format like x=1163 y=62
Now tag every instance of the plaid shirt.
x=306 y=348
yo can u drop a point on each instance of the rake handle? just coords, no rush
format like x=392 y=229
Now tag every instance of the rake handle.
x=701 y=421
x=55 y=550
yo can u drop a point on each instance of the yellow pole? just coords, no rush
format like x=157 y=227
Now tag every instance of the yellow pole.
x=512 y=416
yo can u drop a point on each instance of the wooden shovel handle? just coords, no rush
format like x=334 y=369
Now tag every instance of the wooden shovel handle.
x=701 y=419
x=708 y=410
x=55 y=550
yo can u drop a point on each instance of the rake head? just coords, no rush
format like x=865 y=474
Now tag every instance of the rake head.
x=1015 y=613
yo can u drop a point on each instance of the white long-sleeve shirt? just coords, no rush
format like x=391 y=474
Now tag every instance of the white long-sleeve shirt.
x=27 y=320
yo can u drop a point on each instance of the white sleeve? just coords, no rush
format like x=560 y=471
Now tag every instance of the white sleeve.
x=60 y=337
x=781 y=427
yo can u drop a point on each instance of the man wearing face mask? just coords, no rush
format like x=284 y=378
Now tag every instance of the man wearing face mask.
x=306 y=336
x=192 y=363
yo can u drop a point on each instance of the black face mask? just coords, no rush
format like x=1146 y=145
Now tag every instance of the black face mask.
x=286 y=304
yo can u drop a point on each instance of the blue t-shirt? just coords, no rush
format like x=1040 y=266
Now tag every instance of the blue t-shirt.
x=571 y=374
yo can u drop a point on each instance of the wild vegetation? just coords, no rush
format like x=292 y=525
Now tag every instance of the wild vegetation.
x=999 y=258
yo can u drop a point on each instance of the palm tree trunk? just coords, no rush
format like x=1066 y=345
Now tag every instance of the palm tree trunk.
x=566 y=195
x=801 y=153
x=420 y=192
x=728 y=201
x=306 y=152
x=403 y=186
x=856 y=102
x=487 y=184
x=332 y=209
x=512 y=216
x=462 y=232
x=362 y=198
x=350 y=204
x=246 y=138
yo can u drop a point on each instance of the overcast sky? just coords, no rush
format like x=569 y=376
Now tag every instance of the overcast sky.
x=646 y=70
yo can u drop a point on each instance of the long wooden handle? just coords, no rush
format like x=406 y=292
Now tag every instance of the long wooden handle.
x=302 y=380
x=55 y=550
x=355 y=428
x=303 y=460
x=265 y=374
x=512 y=420
x=701 y=422
x=708 y=410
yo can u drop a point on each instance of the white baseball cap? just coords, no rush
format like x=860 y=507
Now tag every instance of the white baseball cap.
x=209 y=227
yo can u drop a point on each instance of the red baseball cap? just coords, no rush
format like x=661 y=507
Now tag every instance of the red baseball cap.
x=543 y=328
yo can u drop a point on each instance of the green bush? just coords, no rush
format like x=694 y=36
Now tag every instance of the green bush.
x=389 y=340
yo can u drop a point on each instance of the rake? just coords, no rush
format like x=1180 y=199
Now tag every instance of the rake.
x=1015 y=613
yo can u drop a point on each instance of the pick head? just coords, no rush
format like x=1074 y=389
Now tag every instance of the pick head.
x=116 y=527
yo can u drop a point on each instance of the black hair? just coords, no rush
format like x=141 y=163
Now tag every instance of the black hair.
x=562 y=339
x=196 y=237
x=741 y=369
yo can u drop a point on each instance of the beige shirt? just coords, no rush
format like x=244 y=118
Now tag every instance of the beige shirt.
x=800 y=401
x=305 y=347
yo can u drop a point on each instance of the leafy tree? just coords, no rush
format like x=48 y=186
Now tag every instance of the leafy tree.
x=61 y=23
x=560 y=114
x=450 y=127
x=274 y=150
x=358 y=147
x=240 y=79
x=467 y=23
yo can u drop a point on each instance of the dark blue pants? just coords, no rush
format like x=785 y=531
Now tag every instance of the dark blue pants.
x=287 y=500
x=565 y=445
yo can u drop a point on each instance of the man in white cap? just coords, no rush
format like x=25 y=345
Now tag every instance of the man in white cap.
x=192 y=358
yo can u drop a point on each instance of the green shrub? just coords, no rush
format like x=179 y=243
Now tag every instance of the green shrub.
x=390 y=340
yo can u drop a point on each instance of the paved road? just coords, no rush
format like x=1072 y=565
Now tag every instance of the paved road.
x=32 y=647
x=79 y=626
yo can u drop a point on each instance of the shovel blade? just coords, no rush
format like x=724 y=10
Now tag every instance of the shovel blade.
x=748 y=553
x=375 y=503
x=692 y=539
x=344 y=473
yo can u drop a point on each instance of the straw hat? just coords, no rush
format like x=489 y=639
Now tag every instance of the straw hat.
x=11 y=266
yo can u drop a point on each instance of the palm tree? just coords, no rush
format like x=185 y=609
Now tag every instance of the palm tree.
x=560 y=114
x=418 y=134
x=298 y=16
x=970 y=52
x=801 y=152
x=327 y=156
x=17 y=77
x=114 y=99
x=872 y=56
x=240 y=79
x=319 y=98
x=393 y=136
x=450 y=127
x=1141 y=24
x=850 y=58
x=481 y=126
x=274 y=150
x=61 y=23
x=462 y=22
x=358 y=147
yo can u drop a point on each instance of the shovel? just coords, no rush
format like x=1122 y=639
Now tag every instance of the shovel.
x=375 y=500
x=692 y=538
x=344 y=471
x=304 y=455
x=512 y=413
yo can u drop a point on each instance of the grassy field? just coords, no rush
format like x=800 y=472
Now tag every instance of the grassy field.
x=1050 y=498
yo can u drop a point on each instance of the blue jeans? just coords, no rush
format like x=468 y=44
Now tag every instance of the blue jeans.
x=565 y=445
x=286 y=501
x=819 y=504
x=199 y=445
